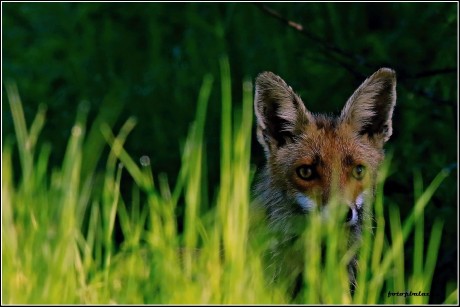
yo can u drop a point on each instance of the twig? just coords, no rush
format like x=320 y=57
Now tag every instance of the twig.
x=333 y=51
x=431 y=73
x=298 y=27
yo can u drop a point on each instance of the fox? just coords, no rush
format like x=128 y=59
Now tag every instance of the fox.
x=311 y=158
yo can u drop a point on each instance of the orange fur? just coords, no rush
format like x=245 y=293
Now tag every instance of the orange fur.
x=313 y=157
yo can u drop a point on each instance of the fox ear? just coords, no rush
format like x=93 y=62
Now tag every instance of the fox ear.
x=370 y=108
x=280 y=112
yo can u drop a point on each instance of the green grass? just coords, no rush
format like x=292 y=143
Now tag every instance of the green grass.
x=58 y=242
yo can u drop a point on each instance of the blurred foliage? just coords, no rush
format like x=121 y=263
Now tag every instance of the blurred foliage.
x=148 y=60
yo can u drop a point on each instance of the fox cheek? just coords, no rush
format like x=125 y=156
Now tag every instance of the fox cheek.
x=359 y=201
x=305 y=202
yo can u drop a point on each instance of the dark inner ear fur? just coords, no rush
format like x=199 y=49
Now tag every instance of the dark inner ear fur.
x=277 y=127
x=369 y=110
x=382 y=109
x=280 y=112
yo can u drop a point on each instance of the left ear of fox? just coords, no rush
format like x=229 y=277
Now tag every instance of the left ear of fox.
x=369 y=110
x=280 y=113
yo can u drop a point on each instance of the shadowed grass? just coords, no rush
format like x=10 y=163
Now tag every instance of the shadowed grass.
x=58 y=241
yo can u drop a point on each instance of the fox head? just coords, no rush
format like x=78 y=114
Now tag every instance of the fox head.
x=313 y=157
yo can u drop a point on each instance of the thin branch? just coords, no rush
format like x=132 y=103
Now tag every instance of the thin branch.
x=298 y=27
x=429 y=96
x=333 y=51
x=431 y=73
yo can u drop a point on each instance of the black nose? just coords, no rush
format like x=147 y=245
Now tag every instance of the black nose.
x=349 y=215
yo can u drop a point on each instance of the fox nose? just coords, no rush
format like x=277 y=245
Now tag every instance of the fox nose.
x=352 y=217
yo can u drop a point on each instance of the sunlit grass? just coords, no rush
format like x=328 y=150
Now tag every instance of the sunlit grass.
x=58 y=226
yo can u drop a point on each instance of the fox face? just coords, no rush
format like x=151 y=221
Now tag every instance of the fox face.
x=314 y=159
x=311 y=157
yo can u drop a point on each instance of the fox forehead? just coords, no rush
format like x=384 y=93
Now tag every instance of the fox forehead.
x=330 y=144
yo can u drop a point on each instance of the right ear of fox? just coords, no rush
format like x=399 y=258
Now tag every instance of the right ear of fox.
x=280 y=112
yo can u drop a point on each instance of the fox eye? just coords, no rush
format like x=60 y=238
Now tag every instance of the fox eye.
x=359 y=171
x=305 y=172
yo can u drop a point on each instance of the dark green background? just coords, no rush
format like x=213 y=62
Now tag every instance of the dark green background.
x=148 y=60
